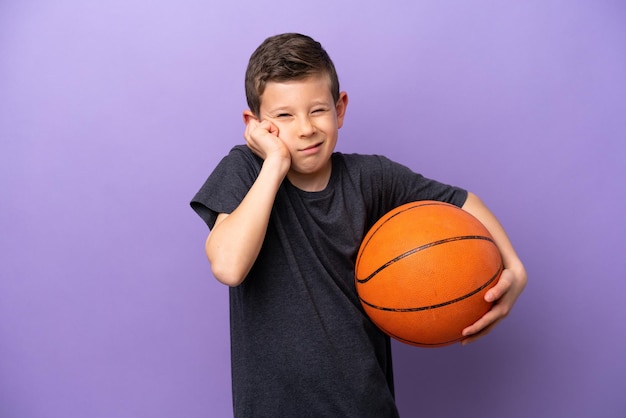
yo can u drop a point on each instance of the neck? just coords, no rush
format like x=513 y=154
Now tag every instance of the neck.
x=311 y=182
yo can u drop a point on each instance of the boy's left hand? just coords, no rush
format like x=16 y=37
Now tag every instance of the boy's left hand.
x=503 y=295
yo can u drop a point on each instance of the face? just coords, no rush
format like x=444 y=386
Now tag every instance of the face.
x=308 y=121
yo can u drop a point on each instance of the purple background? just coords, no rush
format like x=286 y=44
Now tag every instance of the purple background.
x=113 y=114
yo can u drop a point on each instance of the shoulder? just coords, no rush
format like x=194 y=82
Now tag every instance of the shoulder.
x=227 y=184
x=240 y=159
x=243 y=153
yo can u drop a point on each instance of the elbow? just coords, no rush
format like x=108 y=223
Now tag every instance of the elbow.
x=228 y=266
x=227 y=274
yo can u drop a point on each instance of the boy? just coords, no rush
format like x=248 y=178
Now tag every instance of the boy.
x=287 y=215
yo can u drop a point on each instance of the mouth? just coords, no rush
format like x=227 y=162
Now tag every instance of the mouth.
x=312 y=148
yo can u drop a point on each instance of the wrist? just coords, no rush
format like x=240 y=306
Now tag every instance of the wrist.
x=518 y=270
x=277 y=164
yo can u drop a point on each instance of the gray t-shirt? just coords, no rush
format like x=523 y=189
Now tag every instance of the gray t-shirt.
x=301 y=344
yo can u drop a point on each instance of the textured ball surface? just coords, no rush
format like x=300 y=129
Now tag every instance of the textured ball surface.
x=422 y=272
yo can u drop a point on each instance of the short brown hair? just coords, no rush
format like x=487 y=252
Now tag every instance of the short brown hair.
x=289 y=56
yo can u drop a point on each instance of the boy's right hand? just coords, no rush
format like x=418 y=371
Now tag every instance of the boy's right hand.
x=262 y=138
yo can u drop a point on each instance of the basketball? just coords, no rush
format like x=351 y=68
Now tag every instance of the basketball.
x=422 y=272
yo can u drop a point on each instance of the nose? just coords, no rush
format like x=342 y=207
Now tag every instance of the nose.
x=305 y=127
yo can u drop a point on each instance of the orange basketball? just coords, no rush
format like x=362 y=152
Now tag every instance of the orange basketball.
x=422 y=272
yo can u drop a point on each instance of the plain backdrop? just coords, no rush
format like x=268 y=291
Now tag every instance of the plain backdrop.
x=112 y=114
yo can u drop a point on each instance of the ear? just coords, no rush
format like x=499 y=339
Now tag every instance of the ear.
x=248 y=116
x=340 y=108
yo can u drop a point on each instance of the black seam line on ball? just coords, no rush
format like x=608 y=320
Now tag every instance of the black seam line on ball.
x=439 y=305
x=416 y=205
x=420 y=248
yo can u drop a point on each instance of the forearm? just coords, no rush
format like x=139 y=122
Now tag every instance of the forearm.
x=236 y=239
x=478 y=209
x=512 y=280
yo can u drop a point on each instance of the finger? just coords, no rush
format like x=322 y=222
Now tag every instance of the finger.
x=273 y=129
x=485 y=321
x=253 y=144
x=250 y=127
x=474 y=337
x=503 y=286
x=268 y=127
x=497 y=313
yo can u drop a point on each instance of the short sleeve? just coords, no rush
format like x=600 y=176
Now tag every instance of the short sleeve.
x=403 y=185
x=227 y=185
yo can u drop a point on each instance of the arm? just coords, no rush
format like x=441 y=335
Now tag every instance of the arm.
x=513 y=278
x=235 y=240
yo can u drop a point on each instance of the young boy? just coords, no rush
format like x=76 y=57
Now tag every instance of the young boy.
x=287 y=215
